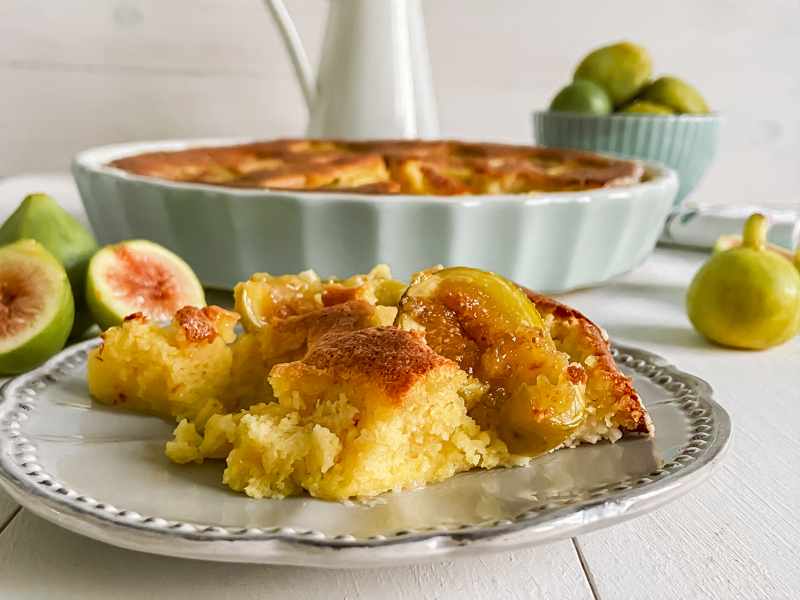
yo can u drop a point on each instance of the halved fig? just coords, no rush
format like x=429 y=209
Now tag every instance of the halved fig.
x=480 y=320
x=36 y=306
x=40 y=218
x=139 y=277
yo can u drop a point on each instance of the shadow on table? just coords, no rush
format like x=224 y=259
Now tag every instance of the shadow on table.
x=673 y=295
x=663 y=293
x=666 y=335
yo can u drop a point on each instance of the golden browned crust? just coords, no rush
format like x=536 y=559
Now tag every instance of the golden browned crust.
x=202 y=324
x=387 y=358
x=446 y=168
x=196 y=324
x=576 y=374
x=336 y=293
x=344 y=317
x=591 y=338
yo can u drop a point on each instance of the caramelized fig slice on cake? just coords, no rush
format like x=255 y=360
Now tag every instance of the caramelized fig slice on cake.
x=139 y=277
x=36 y=306
x=533 y=398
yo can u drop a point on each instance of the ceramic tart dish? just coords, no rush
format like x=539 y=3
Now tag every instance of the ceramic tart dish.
x=227 y=230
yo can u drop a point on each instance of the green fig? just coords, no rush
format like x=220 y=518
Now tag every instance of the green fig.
x=676 y=94
x=747 y=296
x=622 y=69
x=40 y=218
x=36 y=306
x=582 y=96
x=646 y=107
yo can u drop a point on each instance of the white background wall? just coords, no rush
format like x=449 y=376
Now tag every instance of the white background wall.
x=78 y=73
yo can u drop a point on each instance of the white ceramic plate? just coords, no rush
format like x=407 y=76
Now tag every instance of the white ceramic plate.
x=102 y=472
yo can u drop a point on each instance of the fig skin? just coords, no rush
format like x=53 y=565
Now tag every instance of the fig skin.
x=582 y=96
x=746 y=297
x=510 y=300
x=645 y=107
x=531 y=427
x=676 y=94
x=503 y=338
x=622 y=69
x=52 y=336
x=40 y=218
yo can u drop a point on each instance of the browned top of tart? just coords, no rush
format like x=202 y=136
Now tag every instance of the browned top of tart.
x=390 y=359
x=442 y=168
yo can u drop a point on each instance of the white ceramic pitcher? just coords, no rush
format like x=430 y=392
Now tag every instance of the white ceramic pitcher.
x=374 y=78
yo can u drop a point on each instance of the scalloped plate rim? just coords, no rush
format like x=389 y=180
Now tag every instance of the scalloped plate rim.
x=307 y=549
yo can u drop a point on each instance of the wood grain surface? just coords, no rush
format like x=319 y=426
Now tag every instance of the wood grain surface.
x=39 y=560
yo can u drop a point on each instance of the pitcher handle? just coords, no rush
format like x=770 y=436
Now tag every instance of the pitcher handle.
x=294 y=46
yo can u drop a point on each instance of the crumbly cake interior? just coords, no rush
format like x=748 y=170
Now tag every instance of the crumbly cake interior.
x=442 y=168
x=322 y=393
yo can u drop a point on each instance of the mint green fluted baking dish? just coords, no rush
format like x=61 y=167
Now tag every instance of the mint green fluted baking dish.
x=548 y=242
x=685 y=143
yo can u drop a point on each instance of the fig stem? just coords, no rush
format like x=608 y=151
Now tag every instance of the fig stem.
x=755 y=232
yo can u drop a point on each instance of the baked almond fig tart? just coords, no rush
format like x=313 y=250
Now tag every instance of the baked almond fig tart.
x=349 y=388
x=442 y=168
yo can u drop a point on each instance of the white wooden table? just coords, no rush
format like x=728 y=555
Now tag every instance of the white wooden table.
x=736 y=536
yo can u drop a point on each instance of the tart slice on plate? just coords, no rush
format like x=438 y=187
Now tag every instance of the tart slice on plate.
x=351 y=388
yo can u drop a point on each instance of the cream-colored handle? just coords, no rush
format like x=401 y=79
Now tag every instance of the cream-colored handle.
x=294 y=46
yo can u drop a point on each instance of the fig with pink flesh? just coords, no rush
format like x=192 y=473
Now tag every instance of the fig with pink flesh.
x=40 y=218
x=36 y=306
x=139 y=277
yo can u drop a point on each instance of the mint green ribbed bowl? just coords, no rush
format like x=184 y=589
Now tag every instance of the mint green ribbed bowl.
x=685 y=143
x=546 y=242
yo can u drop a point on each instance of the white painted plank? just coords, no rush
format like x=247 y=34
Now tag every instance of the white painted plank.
x=735 y=536
x=46 y=117
x=230 y=37
x=491 y=67
x=39 y=560
x=7 y=508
